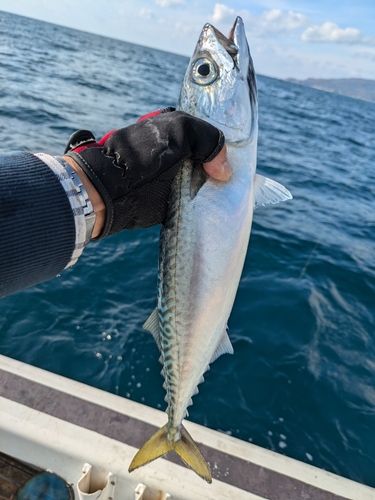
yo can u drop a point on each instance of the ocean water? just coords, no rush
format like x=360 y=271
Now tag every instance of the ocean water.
x=302 y=378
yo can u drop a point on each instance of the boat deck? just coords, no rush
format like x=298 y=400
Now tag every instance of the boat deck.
x=59 y=424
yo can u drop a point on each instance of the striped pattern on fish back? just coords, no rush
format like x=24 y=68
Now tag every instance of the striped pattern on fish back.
x=172 y=253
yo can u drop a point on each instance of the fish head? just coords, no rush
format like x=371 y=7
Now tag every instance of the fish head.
x=219 y=84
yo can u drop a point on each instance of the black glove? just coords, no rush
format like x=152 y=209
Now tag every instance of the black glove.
x=133 y=168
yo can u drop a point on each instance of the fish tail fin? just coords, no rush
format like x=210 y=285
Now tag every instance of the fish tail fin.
x=190 y=454
x=159 y=444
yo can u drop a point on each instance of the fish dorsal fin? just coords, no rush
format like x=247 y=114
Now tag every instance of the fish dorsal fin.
x=152 y=325
x=223 y=347
x=268 y=191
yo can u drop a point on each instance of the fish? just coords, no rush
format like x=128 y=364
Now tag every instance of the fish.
x=204 y=240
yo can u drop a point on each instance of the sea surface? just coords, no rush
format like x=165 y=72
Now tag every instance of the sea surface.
x=301 y=381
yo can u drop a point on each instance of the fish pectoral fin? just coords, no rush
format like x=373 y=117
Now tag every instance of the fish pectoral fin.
x=268 y=192
x=159 y=444
x=191 y=456
x=152 y=326
x=223 y=347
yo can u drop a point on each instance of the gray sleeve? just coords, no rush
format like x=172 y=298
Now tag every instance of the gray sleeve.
x=37 y=227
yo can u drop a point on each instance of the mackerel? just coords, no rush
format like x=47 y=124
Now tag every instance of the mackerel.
x=204 y=241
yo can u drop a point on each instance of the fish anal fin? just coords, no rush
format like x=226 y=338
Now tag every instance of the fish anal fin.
x=157 y=446
x=152 y=326
x=268 y=191
x=224 y=346
x=190 y=454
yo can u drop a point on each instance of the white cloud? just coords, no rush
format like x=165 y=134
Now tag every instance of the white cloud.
x=270 y=21
x=331 y=32
x=169 y=3
x=223 y=14
x=146 y=13
x=277 y=49
x=276 y=20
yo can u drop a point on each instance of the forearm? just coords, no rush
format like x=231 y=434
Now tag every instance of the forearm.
x=42 y=225
x=36 y=223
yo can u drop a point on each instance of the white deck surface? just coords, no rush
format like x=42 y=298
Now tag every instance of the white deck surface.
x=51 y=443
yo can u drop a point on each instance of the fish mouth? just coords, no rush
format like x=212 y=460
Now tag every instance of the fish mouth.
x=235 y=44
x=227 y=42
x=232 y=41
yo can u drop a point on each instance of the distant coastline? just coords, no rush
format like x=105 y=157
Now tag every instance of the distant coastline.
x=358 y=88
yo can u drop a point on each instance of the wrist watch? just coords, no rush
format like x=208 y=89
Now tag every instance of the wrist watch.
x=88 y=209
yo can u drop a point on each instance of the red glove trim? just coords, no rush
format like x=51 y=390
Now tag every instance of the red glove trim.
x=105 y=138
x=150 y=115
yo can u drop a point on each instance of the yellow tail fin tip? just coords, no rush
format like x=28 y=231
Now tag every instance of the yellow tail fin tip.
x=187 y=449
x=157 y=446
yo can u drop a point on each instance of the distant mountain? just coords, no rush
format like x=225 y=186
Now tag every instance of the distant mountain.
x=358 y=88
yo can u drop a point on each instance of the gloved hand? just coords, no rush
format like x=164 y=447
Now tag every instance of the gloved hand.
x=133 y=168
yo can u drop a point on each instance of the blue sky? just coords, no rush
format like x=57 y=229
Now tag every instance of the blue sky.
x=288 y=38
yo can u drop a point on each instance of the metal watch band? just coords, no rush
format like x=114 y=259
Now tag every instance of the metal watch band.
x=88 y=209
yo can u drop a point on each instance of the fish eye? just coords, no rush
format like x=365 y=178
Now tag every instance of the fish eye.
x=204 y=71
